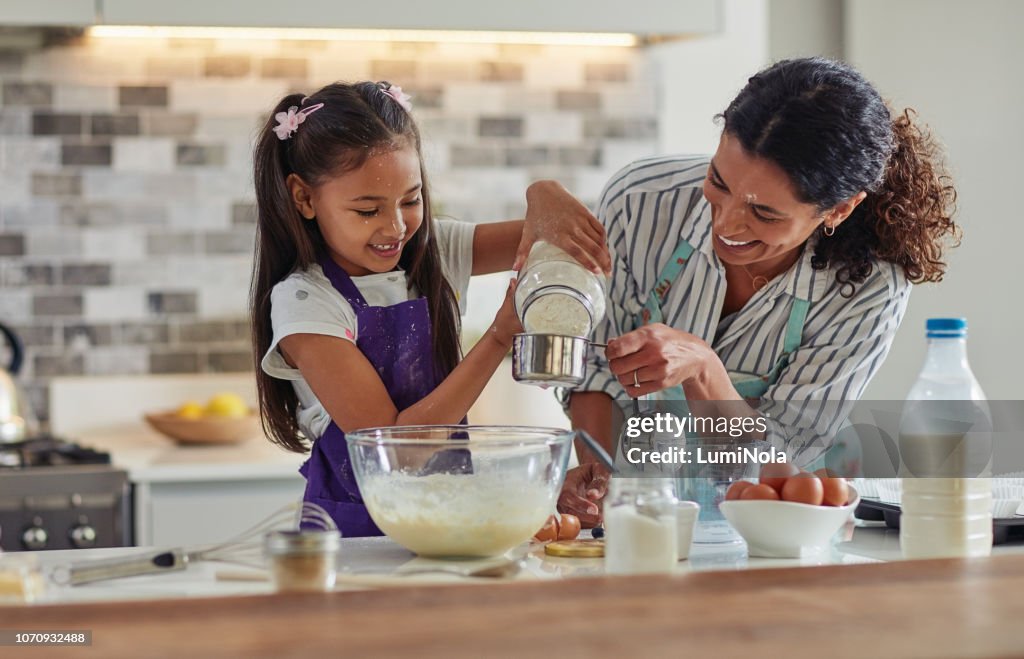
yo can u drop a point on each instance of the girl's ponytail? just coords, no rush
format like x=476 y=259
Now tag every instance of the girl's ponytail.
x=277 y=253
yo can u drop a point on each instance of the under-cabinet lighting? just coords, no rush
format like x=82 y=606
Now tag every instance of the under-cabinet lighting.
x=333 y=34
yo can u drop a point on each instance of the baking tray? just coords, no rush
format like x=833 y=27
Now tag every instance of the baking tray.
x=1004 y=529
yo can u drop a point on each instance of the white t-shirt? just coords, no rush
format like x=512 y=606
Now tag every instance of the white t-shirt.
x=306 y=303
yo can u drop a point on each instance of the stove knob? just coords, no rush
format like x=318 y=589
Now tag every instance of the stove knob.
x=83 y=536
x=34 y=538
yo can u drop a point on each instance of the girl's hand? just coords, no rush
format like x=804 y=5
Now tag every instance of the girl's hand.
x=657 y=356
x=506 y=321
x=555 y=216
x=582 y=492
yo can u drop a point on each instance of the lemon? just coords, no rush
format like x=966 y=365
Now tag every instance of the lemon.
x=226 y=405
x=190 y=410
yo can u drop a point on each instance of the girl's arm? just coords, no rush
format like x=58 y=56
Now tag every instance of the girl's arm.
x=494 y=246
x=553 y=215
x=355 y=397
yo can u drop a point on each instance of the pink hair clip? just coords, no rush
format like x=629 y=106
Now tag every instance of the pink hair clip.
x=395 y=92
x=288 y=122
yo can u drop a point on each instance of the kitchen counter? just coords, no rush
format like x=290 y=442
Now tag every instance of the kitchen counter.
x=149 y=457
x=848 y=601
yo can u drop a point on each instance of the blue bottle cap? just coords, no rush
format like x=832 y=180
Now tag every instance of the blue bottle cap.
x=946 y=327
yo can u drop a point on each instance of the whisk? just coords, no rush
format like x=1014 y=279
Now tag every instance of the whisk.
x=243 y=549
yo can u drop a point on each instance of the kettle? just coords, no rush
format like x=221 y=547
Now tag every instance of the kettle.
x=17 y=421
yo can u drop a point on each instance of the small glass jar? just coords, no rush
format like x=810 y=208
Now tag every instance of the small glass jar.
x=305 y=560
x=640 y=524
x=557 y=295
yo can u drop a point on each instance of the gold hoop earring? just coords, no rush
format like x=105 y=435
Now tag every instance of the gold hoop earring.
x=829 y=230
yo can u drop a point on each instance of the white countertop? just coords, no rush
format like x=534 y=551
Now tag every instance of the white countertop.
x=863 y=542
x=150 y=457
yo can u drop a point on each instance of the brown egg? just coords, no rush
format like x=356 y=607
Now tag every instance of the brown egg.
x=736 y=490
x=774 y=474
x=548 y=532
x=760 y=492
x=569 y=527
x=803 y=488
x=836 y=492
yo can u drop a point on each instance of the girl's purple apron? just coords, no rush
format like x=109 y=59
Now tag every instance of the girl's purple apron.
x=397 y=341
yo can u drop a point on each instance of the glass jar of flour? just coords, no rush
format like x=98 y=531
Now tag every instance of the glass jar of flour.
x=557 y=295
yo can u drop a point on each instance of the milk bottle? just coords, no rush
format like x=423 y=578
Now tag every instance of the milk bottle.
x=945 y=453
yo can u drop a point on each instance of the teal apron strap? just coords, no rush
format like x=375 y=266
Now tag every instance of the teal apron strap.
x=651 y=313
x=795 y=325
x=652 y=306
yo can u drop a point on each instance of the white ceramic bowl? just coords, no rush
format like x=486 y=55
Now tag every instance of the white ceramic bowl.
x=781 y=529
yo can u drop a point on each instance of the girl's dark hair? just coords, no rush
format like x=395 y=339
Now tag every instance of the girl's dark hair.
x=833 y=135
x=356 y=121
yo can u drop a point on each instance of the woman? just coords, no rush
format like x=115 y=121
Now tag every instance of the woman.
x=773 y=275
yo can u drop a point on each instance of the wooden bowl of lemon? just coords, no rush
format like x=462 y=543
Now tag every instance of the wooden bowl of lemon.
x=223 y=419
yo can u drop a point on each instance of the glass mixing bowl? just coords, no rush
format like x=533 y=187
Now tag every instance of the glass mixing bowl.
x=459 y=491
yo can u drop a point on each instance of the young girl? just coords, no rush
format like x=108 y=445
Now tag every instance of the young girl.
x=357 y=290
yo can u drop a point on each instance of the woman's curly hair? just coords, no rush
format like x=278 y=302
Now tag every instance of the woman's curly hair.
x=832 y=133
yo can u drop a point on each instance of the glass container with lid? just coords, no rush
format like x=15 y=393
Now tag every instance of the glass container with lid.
x=640 y=523
x=557 y=295
x=304 y=560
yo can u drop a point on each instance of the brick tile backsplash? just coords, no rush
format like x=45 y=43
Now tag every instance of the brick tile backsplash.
x=172 y=303
x=501 y=127
x=229 y=361
x=12 y=244
x=57 y=304
x=90 y=274
x=145 y=333
x=48 y=123
x=114 y=124
x=56 y=185
x=86 y=154
x=142 y=96
x=168 y=124
x=180 y=361
x=28 y=93
x=201 y=154
x=79 y=337
x=230 y=66
x=127 y=214
x=284 y=67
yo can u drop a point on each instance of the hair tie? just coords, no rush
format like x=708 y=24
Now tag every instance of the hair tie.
x=396 y=93
x=288 y=122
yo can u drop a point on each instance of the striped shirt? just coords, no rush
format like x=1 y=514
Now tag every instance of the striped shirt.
x=646 y=209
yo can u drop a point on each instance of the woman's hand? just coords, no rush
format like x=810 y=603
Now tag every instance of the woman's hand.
x=584 y=487
x=557 y=217
x=506 y=322
x=657 y=357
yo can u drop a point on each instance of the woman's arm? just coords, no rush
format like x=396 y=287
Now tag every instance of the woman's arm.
x=355 y=397
x=844 y=344
x=658 y=357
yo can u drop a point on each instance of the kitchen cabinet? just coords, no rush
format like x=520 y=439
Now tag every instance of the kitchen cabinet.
x=50 y=12
x=653 y=17
x=172 y=511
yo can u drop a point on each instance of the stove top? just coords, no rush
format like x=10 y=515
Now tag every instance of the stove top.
x=48 y=451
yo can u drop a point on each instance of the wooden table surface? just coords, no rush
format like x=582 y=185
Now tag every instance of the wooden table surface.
x=938 y=608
